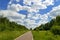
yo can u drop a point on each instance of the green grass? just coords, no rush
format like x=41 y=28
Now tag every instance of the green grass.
x=44 y=35
x=10 y=35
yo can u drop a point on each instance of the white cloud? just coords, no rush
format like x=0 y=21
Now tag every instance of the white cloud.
x=15 y=7
x=12 y=15
x=29 y=20
x=48 y=2
x=44 y=17
x=55 y=12
x=18 y=18
x=10 y=2
x=21 y=19
x=18 y=0
x=37 y=4
x=34 y=16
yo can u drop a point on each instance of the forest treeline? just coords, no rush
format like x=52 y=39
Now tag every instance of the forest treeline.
x=53 y=26
x=5 y=24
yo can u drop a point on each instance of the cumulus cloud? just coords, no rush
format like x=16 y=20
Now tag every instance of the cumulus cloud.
x=31 y=5
x=48 y=2
x=38 y=4
x=29 y=22
x=55 y=12
x=12 y=15
x=15 y=7
x=18 y=0
x=18 y=18
x=33 y=18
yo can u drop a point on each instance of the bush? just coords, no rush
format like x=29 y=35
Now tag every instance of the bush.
x=2 y=27
x=56 y=30
x=57 y=22
x=5 y=24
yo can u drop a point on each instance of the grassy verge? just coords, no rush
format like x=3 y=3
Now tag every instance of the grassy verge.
x=44 y=35
x=10 y=35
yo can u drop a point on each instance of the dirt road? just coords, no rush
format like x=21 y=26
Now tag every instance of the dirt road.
x=25 y=36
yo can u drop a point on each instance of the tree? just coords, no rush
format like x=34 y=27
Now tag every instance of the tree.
x=56 y=27
x=55 y=30
x=30 y=28
x=58 y=20
x=5 y=24
x=46 y=26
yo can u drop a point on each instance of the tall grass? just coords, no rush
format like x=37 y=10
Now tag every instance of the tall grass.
x=44 y=35
x=10 y=30
x=10 y=35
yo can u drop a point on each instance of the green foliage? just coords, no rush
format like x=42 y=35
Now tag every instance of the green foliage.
x=41 y=27
x=56 y=30
x=11 y=35
x=56 y=27
x=44 y=35
x=30 y=28
x=46 y=26
x=57 y=21
x=53 y=25
x=10 y=30
x=49 y=25
x=5 y=24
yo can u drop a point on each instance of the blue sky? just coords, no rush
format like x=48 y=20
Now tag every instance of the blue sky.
x=38 y=14
x=4 y=4
x=49 y=8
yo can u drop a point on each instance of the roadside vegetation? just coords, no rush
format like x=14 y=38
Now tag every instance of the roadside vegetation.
x=10 y=30
x=48 y=31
